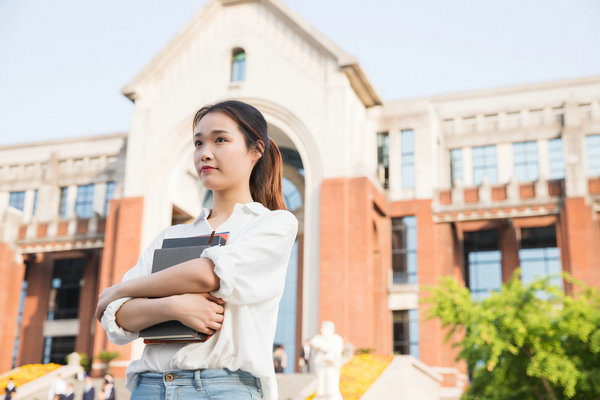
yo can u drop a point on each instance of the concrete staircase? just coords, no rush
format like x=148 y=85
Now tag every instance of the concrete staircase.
x=296 y=386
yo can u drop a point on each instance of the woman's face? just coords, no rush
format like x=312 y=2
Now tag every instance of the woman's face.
x=221 y=158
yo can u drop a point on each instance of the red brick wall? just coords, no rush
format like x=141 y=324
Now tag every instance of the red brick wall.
x=353 y=270
x=121 y=252
x=582 y=235
x=12 y=274
x=31 y=345
x=435 y=257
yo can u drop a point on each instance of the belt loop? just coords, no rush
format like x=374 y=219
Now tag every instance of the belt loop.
x=197 y=380
x=137 y=380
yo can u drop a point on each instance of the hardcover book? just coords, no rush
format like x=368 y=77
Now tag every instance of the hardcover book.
x=175 y=251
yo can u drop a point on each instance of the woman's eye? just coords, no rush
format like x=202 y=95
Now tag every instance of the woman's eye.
x=197 y=143
x=223 y=139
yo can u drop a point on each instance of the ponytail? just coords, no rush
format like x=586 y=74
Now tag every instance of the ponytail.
x=265 y=179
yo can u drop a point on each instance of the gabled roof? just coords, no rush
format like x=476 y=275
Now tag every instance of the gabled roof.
x=348 y=64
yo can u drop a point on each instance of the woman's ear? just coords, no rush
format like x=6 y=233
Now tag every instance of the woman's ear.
x=259 y=150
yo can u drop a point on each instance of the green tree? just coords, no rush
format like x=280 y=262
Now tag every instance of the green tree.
x=525 y=341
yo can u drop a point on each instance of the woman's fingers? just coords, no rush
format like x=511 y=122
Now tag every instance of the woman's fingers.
x=214 y=299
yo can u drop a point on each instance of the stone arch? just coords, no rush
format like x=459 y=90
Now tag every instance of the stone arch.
x=282 y=122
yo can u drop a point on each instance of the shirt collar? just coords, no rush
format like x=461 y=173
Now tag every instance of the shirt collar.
x=253 y=207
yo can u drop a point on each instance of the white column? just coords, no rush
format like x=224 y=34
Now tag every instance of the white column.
x=543 y=159
x=467 y=162
x=504 y=159
x=99 y=197
x=395 y=179
x=71 y=199
x=28 y=205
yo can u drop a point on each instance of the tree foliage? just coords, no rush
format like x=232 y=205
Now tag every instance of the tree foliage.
x=524 y=342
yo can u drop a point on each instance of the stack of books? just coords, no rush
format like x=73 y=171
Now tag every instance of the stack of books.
x=175 y=251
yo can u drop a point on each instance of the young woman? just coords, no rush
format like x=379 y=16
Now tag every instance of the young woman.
x=232 y=292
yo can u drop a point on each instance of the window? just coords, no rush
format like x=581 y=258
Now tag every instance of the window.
x=406 y=332
x=408 y=158
x=238 y=65
x=291 y=195
x=24 y=286
x=484 y=164
x=84 y=205
x=539 y=256
x=110 y=192
x=456 y=167
x=62 y=207
x=383 y=158
x=208 y=199
x=556 y=158
x=525 y=158
x=35 y=202
x=592 y=147
x=404 y=250
x=65 y=287
x=17 y=200
x=286 y=329
x=57 y=348
x=484 y=263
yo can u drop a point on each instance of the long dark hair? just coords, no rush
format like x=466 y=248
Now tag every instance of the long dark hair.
x=265 y=179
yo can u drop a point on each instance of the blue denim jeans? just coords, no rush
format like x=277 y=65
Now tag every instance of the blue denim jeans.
x=207 y=384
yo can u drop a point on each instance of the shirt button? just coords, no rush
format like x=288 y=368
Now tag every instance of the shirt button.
x=169 y=377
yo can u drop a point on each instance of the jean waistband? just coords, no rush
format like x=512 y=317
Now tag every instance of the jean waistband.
x=198 y=378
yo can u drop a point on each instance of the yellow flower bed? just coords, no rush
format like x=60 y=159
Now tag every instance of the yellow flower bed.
x=27 y=373
x=358 y=374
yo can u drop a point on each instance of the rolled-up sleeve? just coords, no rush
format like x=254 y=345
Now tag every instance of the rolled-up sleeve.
x=252 y=268
x=143 y=267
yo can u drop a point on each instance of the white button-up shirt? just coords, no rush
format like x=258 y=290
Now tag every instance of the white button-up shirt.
x=252 y=268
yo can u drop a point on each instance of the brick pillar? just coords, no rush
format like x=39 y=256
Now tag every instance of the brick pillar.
x=583 y=236
x=510 y=250
x=12 y=273
x=352 y=280
x=121 y=251
x=439 y=253
x=87 y=304
x=31 y=345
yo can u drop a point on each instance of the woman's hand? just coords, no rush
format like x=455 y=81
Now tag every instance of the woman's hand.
x=202 y=312
x=107 y=296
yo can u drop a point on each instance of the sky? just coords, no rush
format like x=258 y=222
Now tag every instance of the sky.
x=63 y=63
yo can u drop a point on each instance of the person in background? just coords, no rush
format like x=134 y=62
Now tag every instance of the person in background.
x=279 y=359
x=69 y=395
x=58 y=388
x=304 y=359
x=89 y=391
x=10 y=390
x=108 y=390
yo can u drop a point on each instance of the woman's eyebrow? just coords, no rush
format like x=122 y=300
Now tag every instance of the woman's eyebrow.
x=214 y=132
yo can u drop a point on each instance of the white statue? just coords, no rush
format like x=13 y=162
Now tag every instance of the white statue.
x=327 y=362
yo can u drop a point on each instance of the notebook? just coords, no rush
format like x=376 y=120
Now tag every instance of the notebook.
x=175 y=251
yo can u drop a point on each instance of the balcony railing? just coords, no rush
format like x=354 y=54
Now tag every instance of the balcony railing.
x=489 y=201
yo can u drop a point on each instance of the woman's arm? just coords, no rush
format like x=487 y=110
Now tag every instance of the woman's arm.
x=201 y=312
x=194 y=276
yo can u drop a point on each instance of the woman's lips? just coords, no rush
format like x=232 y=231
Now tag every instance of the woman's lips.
x=206 y=169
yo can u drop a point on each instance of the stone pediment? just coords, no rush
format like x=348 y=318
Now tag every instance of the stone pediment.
x=278 y=14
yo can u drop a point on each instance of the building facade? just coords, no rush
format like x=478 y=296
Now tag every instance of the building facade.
x=390 y=196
